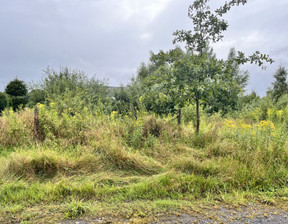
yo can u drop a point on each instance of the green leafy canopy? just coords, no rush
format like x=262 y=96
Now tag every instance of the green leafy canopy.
x=208 y=27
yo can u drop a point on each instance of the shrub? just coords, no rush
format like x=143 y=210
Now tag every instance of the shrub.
x=72 y=89
x=3 y=101
x=36 y=96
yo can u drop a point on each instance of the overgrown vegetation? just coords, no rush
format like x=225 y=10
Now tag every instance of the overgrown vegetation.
x=90 y=156
x=100 y=148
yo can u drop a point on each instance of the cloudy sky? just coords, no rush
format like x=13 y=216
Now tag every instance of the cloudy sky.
x=110 y=38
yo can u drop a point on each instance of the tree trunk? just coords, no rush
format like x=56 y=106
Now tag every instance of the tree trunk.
x=198 y=117
x=179 y=117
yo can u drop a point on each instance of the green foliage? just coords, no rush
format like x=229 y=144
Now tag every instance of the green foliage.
x=157 y=99
x=226 y=97
x=189 y=114
x=126 y=100
x=19 y=102
x=145 y=70
x=174 y=78
x=248 y=99
x=36 y=96
x=72 y=89
x=121 y=100
x=255 y=109
x=3 y=101
x=280 y=85
x=75 y=209
x=282 y=102
x=185 y=77
x=208 y=27
x=16 y=88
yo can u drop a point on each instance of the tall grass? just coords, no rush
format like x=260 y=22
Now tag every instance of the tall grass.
x=88 y=156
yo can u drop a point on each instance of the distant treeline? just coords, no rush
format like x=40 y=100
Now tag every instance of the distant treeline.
x=168 y=82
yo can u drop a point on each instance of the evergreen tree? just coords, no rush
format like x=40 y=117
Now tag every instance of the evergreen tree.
x=17 y=91
x=280 y=86
x=16 y=88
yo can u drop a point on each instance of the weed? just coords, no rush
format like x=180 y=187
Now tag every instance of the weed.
x=75 y=209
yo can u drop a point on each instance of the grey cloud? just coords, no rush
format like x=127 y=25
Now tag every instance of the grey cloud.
x=100 y=37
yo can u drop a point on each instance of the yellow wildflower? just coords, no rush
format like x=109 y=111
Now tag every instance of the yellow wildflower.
x=279 y=114
x=113 y=115
x=52 y=104
x=230 y=123
x=40 y=106
x=266 y=125
x=245 y=126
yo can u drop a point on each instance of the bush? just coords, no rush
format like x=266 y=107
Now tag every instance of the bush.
x=19 y=102
x=3 y=101
x=71 y=89
x=36 y=96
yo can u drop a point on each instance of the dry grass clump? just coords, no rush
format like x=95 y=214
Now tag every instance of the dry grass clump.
x=192 y=166
x=153 y=126
x=223 y=147
x=88 y=164
x=16 y=128
x=204 y=139
x=33 y=164
x=3 y=127
x=120 y=157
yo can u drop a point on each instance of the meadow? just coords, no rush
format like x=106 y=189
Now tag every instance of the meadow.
x=89 y=164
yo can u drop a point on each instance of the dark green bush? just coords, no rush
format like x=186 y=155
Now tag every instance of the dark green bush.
x=3 y=101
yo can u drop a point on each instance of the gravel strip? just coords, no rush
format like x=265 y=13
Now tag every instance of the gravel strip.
x=244 y=214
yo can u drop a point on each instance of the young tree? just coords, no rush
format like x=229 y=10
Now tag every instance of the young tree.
x=280 y=85
x=184 y=76
x=208 y=27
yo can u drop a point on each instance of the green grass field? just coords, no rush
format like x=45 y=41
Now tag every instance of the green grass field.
x=90 y=165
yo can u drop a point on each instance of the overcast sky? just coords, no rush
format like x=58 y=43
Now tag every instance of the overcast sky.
x=110 y=38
